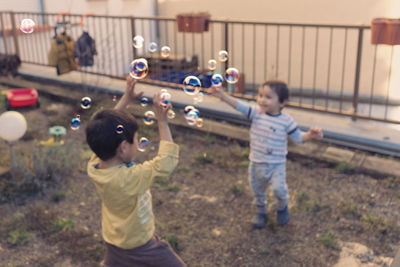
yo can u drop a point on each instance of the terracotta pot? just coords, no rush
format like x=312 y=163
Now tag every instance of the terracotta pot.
x=385 y=31
x=184 y=22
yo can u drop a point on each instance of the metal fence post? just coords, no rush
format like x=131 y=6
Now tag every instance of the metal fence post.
x=133 y=32
x=226 y=33
x=357 y=73
x=14 y=33
x=3 y=30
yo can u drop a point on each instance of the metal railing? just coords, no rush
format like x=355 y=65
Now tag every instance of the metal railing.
x=329 y=68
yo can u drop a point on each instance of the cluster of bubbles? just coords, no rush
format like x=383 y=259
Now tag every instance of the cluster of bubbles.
x=138 y=68
x=86 y=102
x=27 y=26
x=192 y=116
x=75 y=123
x=138 y=42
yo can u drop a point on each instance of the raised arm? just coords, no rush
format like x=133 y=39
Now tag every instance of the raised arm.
x=129 y=94
x=219 y=92
x=162 y=119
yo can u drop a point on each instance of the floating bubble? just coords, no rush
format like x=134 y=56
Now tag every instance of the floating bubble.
x=222 y=56
x=165 y=51
x=212 y=64
x=165 y=97
x=86 y=102
x=143 y=143
x=27 y=26
x=153 y=47
x=188 y=108
x=114 y=98
x=144 y=101
x=198 y=98
x=171 y=114
x=138 y=68
x=120 y=129
x=232 y=75
x=149 y=117
x=191 y=117
x=199 y=122
x=75 y=123
x=191 y=85
x=138 y=41
x=217 y=79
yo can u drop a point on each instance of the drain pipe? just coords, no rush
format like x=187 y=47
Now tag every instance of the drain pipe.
x=41 y=10
x=156 y=13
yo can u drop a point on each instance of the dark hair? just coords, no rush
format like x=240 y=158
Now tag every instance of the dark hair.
x=104 y=132
x=279 y=87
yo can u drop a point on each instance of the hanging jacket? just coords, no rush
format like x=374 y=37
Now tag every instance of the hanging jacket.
x=85 y=49
x=61 y=54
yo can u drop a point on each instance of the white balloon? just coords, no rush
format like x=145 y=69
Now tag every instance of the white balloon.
x=12 y=126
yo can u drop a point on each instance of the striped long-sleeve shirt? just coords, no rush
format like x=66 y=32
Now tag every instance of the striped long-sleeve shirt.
x=268 y=134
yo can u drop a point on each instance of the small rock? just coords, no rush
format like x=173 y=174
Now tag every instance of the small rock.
x=216 y=232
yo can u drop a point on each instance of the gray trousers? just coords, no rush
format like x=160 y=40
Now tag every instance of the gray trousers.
x=264 y=175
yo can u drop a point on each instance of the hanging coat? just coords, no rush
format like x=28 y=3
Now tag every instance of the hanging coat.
x=61 y=54
x=85 y=50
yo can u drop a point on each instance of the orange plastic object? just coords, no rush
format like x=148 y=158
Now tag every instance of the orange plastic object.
x=385 y=31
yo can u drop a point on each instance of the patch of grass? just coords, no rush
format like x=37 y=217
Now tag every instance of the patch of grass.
x=174 y=188
x=236 y=190
x=244 y=163
x=210 y=139
x=302 y=197
x=162 y=181
x=18 y=237
x=344 y=167
x=183 y=169
x=173 y=240
x=349 y=210
x=203 y=158
x=63 y=224
x=328 y=240
x=378 y=225
x=57 y=196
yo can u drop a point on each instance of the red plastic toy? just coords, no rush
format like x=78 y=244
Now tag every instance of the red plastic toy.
x=22 y=97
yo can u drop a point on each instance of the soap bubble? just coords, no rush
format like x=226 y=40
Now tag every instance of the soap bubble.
x=191 y=85
x=27 y=26
x=86 y=102
x=165 y=51
x=212 y=64
x=75 y=123
x=114 y=98
x=120 y=129
x=153 y=47
x=138 y=41
x=191 y=117
x=171 y=114
x=199 y=122
x=232 y=75
x=143 y=143
x=222 y=56
x=188 y=108
x=144 y=101
x=217 y=79
x=138 y=68
x=149 y=117
x=165 y=97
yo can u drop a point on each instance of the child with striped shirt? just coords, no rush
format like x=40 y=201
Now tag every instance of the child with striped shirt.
x=268 y=145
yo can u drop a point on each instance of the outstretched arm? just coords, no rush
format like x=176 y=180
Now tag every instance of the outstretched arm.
x=162 y=119
x=129 y=94
x=219 y=92
x=313 y=133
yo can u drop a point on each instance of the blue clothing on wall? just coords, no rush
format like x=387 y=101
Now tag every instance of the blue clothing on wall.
x=85 y=50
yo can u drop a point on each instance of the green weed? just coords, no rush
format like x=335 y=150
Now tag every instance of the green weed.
x=57 y=196
x=18 y=237
x=328 y=240
x=62 y=224
x=344 y=167
x=236 y=190
x=172 y=240
x=174 y=188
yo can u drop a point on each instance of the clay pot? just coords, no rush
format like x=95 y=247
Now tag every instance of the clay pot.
x=385 y=31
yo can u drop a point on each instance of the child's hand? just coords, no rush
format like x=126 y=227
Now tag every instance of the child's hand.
x=160 y=110
x=130 y=89
x=315 y=133
x=215 y=90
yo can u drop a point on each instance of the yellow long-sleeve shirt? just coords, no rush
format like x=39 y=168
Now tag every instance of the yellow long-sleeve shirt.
x=127 y=216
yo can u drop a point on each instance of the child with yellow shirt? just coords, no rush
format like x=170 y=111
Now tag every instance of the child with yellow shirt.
x=124 y=187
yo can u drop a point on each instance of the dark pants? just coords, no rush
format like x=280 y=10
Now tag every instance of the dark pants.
x=154 y=253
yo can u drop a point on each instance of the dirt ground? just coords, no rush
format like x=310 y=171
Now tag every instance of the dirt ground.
x=204 y=209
